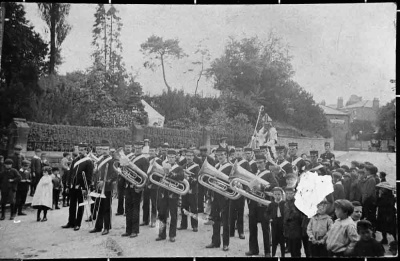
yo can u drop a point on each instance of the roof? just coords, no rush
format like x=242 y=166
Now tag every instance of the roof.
x=330 y=111
x=360 y=104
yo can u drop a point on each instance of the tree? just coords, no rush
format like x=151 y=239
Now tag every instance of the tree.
x=363 y=127
x=387 y=120
x=55 y=15
x=252 y=72
x=23 y=62
x=155 y=48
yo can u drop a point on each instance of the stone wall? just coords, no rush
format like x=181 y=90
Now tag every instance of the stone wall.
x=305 y=145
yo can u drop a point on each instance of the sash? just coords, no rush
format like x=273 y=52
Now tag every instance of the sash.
x=81 y=161
x=173 y=167
x=252 y=162
x=182 y=158
x=221 y=168
x=241 y=162
x=262 y=174
x=316 y=168
x=166 y=160
x=130 y=155
x=104 y=162
x=192 y=167
x=294 y=163
x=283 y=163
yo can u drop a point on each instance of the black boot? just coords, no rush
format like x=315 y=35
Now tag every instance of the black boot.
x=12 y=210
x=3 y=212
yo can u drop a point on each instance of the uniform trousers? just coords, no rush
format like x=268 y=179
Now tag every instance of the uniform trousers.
x=75 y=217
x=65 y=194
x=167 y=204
x=21 y=199
x=294 y=247
x=104 y=211
x=189 y=202
x=149 y=200
x=277 y=236
x=200 y=198
x=256 y=215
x=220 y=213
x=132 y=208
x=236 y=214
x=121 y=196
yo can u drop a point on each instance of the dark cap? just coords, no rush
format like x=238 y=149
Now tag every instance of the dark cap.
x=171 y=152
x=139 y=144
x=314 y=153
x=47 y=168
x=293 y=144
x=25 y=162
x=146 y=140
x=54 y=169
x=38 y=150
x=203 y=148
x=248 y=149
x=82 y=145
x=165 y=145
x=223 y=138
x=220 y=149
x=263 y=147
x=232 y=150
x=257 y=150
x=327 y=144
x=8 y=161
x=182 y=150
x=260 y=157
x=337 y=175
x=18 y=147
x=279 y=148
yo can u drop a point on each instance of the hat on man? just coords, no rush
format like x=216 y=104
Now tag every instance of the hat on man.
x=146 y=140
x=165 y=145
x=232 y=150
x=18 y=147
x=38 y=150
x=279 y=148
x=327 y=144
x=293 y=144
x=314 y=153
x=222 y=139
x=8 y=162
x=263 y=147
x=139 y=144
x=256 y=151
x=248 y=149
x=171 y=152
x=25 y=162
x=112 y=150
x=213 y=150
x=260 y=157
x=203 y=148
x=182 y=150
x=82 y=145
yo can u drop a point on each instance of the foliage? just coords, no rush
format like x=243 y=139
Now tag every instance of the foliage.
x=387 y=120
x=23 y=62
x=362 y=127
x=252 y=72
x=155 y=48
x=55 y=15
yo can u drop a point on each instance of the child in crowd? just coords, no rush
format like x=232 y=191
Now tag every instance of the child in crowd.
x=357 y=212
x=23 y=187
x=393 y=247
x=43 y=198
x=317 y=230
x=275 y=214
x=367 y=246
x=57 y=185
x=292 y=220
x=342 y=236
x=382 y=176
x=355 y=191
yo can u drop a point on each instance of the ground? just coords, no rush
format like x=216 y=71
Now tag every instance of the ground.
x=26 y=238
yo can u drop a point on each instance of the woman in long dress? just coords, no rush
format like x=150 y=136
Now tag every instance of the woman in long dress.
x=43 y=198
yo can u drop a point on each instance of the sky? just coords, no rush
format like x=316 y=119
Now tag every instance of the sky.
x=338 y=50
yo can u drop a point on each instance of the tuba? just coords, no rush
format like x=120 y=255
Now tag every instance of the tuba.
x=158 y=177
x=217 y=181
x=129 y=171
x=243 y=177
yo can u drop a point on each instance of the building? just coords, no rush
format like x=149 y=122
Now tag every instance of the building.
x=358 y=109
x=338 y=125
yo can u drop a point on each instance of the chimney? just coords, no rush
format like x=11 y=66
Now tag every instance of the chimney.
x=375 y=104
x=340 y=102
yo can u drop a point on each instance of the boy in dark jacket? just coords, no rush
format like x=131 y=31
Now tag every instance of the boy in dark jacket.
x=57 y=186
x=367 y=246
x=275 y=214
x=23 y=187
x=9 y=179
x=292 y=220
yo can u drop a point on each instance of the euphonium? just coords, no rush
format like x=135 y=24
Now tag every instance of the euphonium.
x=129 y=171
x=241 y=176
x=217 y=181
x=157 y=177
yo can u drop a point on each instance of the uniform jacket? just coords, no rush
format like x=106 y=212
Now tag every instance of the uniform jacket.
x=176 y=173
x=209 y=160
x=142 y=163
x=292 y=220
x=253 y=166
x=287 y=167
x=112 y=175
x=301 y=164
x=269 y=177
x=198 y=161
x=76 y=175
x=181 y=160
x=5 y=184
x=225 y=168
x=193 y=178
x=328 y=155
x=243 y=163
x=272 y=211
x=25 y=179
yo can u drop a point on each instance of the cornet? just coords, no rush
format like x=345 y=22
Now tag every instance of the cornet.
x=217 y=181
x=243 y=177
x=129 y=171
x=158 y=177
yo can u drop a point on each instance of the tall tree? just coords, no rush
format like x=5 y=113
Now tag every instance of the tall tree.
x=203 y=56
x=155 y=48
x=387 y=120
x=22 y=63
x=55 y=15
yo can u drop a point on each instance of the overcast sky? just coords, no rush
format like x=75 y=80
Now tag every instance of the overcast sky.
x=338 y=50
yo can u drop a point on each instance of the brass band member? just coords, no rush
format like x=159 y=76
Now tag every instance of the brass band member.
x=189 y=201
x=315 y=165
x=237 y=206
x=182 y=158
x=295 y=160
x=284 y=167
x=167 y=200
x=163 y=152
x=328 y=155
x=133 y=195
x=257 y=210
x=103 y=218
x=202 y=190
x=80 y=177
x=121 y=186
x=248 y=155
x=220 y=206
x=151 y=197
